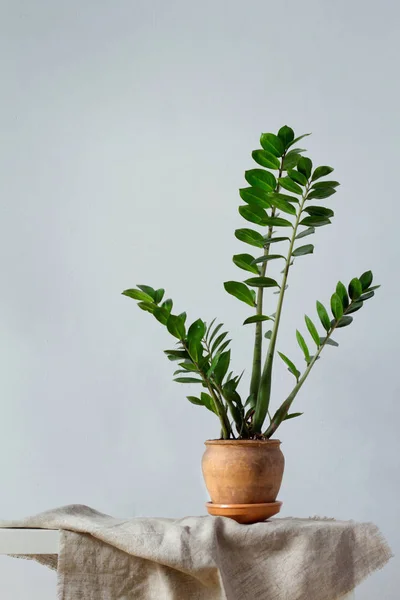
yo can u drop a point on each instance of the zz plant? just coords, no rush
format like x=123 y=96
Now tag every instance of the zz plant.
x=285 y=184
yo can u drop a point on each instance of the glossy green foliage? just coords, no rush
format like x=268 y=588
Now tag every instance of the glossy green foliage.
x=284 y=198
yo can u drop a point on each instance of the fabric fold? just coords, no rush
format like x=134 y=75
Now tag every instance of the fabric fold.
x=207 y=558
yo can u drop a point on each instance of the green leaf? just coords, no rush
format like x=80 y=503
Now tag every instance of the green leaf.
x=240 y=291
x=303 y=346
x=284 y=197
x=177 y=354
x=288 y=184
x=286 y=134
x=268 y=257
x=307 y=249
x=148 y=290
x=224 y=345
x=366 y=280
x=246 y=262
x=248 y=236
x=372 y=288
x=323 y=316
x=195 y=335
x=312 y=330
x=325 y=184
x=305 y=233
x=208 y=402
x=272 y=143
x=319 y=211
x=304 y=166
x=336 y=306
x=167 y=305
x=195 y=400
x=266 y=159
x=212 y=366
x=183 y=317
x=268 y=334
x=290 y=365
x=355 y=288
x=218 y=341
x=251 y=401
x=282 y=205
x=367 y=295
x=342 y=293
x=319 y=194
x=161 y=314
x=329 y=341
x=214 y=333
x=344 y=321
x=298 y=139
x=272 y=240
x=261 y=179
x=321 y=172
x=209 y=328
x=298 y=177
x=256 y=319
x=222 y=366
x=261 y=282
x=187 y=380
x=292 y=158
x=234 y=402
x=277 y=222
x=159 y=295
x=314 y=221
x=355 y=306
x=147 y=307
x=254 y=214
x=188 y=366
x=292 y=416
x=255 y=197
x=138 y=295
x=176 y=326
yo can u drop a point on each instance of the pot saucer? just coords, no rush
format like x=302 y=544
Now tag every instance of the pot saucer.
x=245 y=513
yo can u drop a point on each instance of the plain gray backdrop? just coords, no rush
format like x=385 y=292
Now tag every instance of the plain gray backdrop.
x=126 y=127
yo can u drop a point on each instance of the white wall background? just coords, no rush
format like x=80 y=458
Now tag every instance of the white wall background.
x=125 y=131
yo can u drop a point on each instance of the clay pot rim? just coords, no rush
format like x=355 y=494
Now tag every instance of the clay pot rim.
x=242 y=442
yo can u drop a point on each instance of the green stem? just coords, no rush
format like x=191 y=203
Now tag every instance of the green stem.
x=285 y=406
x=237 y=413
x=220 y=409
x=218 y=388
x=265 y=383
x=258 y=340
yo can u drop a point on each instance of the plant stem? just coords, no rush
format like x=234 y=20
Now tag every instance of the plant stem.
x=220 y=409
x=258 y=340
x=285 y=406
x=265 y=383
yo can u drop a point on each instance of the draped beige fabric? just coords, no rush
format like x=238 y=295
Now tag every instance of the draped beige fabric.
x=207 y=558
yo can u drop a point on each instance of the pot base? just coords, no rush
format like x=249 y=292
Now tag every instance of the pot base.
x=245 y=513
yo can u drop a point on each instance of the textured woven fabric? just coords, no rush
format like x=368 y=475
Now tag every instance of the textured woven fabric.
x=207 y=558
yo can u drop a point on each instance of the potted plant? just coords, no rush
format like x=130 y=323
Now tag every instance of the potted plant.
x=243 y=469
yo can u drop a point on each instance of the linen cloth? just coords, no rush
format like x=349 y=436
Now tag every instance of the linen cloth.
x=206 y=558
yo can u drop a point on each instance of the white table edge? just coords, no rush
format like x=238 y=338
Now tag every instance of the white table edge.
x=29 y=541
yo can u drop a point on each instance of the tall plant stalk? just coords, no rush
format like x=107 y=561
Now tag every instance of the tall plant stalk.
x=258 y=336
x=264 y=394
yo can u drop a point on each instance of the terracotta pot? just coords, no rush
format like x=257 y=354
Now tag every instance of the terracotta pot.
x=243 y=471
